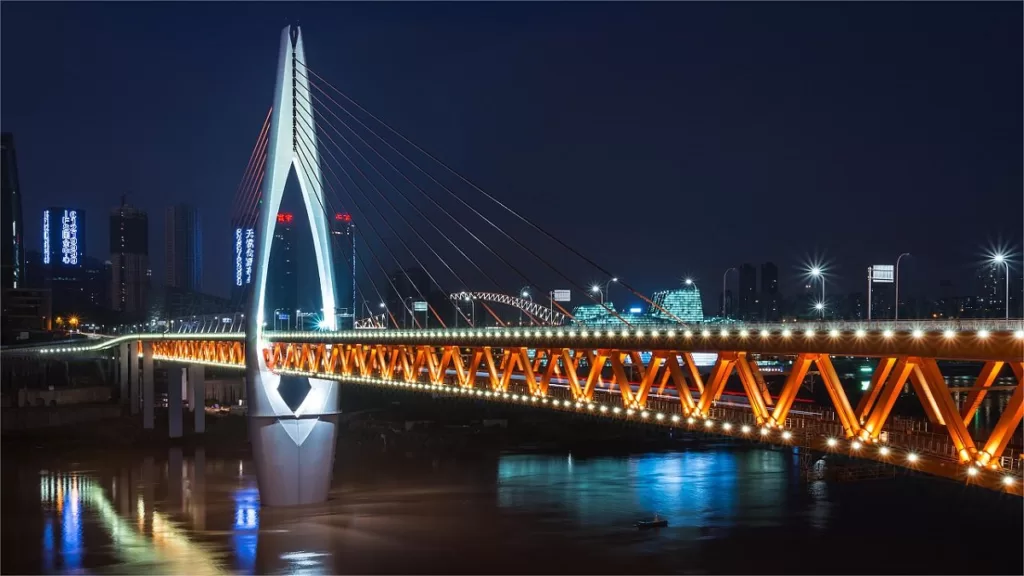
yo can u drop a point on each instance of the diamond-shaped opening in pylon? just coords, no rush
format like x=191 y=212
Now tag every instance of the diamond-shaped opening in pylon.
x=293 y=390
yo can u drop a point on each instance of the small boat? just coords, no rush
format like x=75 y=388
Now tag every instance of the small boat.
x=655 y=522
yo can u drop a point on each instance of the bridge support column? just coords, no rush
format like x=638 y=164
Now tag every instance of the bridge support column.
x=175 y=380
x=293 y=448
x=133 y=376
x=147 y=385
x=122 y=374
x=197 y=395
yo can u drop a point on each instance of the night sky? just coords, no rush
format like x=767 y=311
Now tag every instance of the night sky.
x=663 y=140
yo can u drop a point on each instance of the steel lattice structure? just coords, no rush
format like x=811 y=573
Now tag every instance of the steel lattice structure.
x=586 y=371
x=542 y=313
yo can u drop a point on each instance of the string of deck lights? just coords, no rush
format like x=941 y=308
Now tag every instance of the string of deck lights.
x=743 y=333
x=324 y=336
x=883 y=453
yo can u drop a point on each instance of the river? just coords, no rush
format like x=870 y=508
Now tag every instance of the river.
x=731 y=509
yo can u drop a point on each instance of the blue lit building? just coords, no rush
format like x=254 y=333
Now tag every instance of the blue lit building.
x=671 y=306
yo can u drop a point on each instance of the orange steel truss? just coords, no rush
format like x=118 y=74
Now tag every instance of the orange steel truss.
x=231 y=352
x=510 y=368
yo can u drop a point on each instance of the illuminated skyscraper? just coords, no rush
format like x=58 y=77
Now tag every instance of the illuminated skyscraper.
x=283 y=277
x=343 y=246
x=63 y=237
x=12 y=248
x=129 y=256
x=183 y=243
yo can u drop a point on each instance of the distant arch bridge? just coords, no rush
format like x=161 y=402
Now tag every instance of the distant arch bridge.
x=541 y=313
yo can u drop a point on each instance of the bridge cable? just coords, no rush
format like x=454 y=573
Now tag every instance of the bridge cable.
x=464 y=203
x=420 y=212
x=248 y=188
x=370 y=224
x=464 y=179
x=305 y=159
x=387 y=200
x=306 y=144
x=320 y=200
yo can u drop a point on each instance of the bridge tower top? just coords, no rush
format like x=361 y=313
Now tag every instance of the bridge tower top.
x=293 y=143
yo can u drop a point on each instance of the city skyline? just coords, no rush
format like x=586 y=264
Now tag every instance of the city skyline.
x=711 y=247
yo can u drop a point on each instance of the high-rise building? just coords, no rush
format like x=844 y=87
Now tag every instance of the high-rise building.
x=184 y=245
x=769 y=278
x=129 y=257
x=12 y=248
x=992 y=281
x=343 y=251
x=282 y=298
x=243 y=257
x=63 y=237
x=771 y=302
x=748 y=291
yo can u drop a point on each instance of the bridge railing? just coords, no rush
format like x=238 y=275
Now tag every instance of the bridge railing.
x=214 y=323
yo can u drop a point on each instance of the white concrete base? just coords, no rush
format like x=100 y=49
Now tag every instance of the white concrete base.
x=290 y=473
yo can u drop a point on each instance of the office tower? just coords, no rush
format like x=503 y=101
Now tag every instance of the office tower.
x=992 y=281
x=748 y=291
x=183 y=243
x=771 y=302
x=129 y=257
x=282 y=298
x=12 y=248
x=343 y=251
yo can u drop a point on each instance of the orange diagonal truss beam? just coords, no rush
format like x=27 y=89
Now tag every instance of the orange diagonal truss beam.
x=665 y=375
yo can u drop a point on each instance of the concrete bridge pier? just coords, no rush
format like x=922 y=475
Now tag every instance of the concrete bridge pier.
x=147 y=386
x=197 y=396
x=131 y=372
x=176 y=374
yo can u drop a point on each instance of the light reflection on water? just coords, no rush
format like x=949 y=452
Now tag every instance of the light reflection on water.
x=188 y=515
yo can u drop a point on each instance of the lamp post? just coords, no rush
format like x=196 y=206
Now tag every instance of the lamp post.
x=820 y=275
x=898 y=283
x=525 y=293
x=724 y=276
x=597 y=289
x=472 y=307
x=405 y=309
x=1005 y=261
x=607 y=286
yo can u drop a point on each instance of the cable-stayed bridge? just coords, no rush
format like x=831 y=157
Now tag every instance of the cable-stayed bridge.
x=427 y=334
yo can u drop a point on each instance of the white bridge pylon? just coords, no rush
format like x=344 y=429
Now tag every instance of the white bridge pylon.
x=293 y=449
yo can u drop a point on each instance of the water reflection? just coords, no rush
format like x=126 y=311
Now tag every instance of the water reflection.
x=247 y=523
x=186 y=514
x=82 y=500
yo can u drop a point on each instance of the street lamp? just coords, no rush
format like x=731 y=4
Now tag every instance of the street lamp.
x=898 y=283
x=472 y=306
x=597 y=290
x=688 y=281
x=818 y=273
x=1001 y=258
x=525 y=293
x=607 y=285
x=724 y=276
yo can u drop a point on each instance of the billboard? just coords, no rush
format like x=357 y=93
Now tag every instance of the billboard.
x=245 y=253
x=419 y=306
x=882 y=273
x=63 y=236
x=560 y=295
